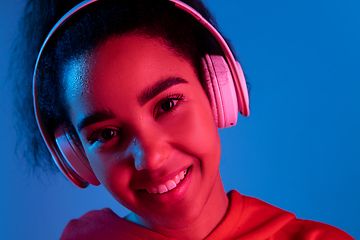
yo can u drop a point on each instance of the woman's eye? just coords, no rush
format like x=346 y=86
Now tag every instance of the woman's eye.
x=168 y=104
x=108 y=134
x=104 y=135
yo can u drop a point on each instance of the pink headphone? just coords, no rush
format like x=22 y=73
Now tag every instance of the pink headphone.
x=225 y=82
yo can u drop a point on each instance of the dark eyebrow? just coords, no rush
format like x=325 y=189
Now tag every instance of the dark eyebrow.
x=157 y=88
x=95 y=118
x=144 y=97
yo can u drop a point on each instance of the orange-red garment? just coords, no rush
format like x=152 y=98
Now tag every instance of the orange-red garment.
x=247 y=218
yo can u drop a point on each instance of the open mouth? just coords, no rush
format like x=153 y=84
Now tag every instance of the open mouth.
x=168 y=185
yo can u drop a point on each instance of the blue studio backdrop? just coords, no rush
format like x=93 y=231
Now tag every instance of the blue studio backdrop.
x=299 y=149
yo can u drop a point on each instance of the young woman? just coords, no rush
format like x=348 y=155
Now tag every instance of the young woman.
x=129 y=94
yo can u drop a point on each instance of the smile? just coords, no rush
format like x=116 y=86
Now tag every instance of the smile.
x=168 y=185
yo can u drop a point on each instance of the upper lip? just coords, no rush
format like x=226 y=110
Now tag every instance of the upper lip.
x=149 y=179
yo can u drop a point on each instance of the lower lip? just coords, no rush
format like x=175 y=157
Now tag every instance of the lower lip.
x=171 y=196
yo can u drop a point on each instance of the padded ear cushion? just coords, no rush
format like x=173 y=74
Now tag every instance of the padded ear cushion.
x=210 y=90
x=221 y=90
x=74 y=157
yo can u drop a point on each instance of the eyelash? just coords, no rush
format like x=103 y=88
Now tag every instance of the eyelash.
x=96 y=134
x=172 y=97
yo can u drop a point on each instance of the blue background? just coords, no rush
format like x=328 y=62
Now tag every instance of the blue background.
x=298 y=150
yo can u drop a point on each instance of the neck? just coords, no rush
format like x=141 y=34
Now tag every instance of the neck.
x=211 y=215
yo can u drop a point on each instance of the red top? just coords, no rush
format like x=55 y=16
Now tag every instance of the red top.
x=247 y=218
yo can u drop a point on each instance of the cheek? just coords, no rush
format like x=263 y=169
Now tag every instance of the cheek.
x=116 y=178
x=118 y=183
x=100 y=167
x=115 y=175
x=197 y=132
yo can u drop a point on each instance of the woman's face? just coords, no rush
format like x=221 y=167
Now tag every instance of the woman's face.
x=147 y=128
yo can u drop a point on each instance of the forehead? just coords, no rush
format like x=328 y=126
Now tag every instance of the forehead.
x=121 y=68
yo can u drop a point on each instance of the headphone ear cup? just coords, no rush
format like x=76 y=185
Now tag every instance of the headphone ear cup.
x=220 y=84
x=74 y=156
x=208 y=80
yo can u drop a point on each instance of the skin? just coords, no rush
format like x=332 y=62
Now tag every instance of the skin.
x=136 y=142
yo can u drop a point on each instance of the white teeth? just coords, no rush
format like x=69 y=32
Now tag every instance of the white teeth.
x=154 y=190
x=168 y=185
x=182 y=175
x=162 y=188
x=177 y=179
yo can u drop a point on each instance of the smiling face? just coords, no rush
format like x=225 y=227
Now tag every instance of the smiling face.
x=147 y=129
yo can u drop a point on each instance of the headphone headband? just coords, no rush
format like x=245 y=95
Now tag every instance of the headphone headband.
x=57 y=154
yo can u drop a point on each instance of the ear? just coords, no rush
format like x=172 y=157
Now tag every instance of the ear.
x=74 y=155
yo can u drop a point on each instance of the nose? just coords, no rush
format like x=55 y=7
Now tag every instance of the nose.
x=149 y=151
